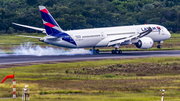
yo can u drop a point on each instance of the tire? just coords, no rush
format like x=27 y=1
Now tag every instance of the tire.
x=112 y=51
x=119 y=51
x=115 y=51
x=159 y=46
x=97 y=51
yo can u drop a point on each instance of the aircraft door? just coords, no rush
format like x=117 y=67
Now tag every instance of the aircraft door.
x=102 y=35
x=162 y=32
x=137 y=31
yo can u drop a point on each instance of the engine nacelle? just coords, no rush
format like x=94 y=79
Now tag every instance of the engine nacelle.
x=144 y=43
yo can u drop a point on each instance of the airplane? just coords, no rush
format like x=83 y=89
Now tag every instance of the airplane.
x=143 y=36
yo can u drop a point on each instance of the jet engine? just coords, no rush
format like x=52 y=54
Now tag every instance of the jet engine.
x=144 y=43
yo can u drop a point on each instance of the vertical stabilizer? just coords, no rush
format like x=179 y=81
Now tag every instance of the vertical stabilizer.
x=51 y=26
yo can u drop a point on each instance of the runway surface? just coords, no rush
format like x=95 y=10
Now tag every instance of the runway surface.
x=18 y=59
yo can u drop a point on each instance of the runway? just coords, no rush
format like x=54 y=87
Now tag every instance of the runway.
x=19 y=59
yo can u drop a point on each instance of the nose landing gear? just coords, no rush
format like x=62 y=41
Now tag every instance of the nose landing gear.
x=159 y=44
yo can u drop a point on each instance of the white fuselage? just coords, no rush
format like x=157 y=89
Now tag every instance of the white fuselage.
x=100 y=37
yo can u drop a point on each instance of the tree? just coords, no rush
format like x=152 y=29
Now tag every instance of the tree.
x=31 y=2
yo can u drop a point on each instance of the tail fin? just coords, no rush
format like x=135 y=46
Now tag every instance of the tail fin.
x=51 y=26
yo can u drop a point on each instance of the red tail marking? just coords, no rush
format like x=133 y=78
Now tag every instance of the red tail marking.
x=158 y=27
x=48 y=24
x=45 y=11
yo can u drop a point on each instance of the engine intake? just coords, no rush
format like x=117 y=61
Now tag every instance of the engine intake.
x=144 y=43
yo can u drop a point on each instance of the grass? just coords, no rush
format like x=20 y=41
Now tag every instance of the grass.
x=100 y=97
x=105 y=80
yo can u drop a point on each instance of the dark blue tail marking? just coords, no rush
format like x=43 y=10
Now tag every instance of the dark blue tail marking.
x=53 y=32
x=46 y=17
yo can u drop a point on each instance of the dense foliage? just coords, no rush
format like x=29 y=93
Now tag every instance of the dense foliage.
x=79 y=14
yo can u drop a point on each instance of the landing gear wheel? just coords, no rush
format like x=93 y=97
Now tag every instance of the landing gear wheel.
x=114 y=52
x=159 y=46
x=94 y=51
x=119 y=51
x=97 y=51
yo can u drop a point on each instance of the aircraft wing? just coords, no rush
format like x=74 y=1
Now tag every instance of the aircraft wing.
x=129 y=39
x=31 y=27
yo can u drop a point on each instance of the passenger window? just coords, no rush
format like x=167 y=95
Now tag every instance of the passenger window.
x=78 y=36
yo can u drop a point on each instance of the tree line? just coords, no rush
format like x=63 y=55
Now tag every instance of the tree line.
x=80 y=14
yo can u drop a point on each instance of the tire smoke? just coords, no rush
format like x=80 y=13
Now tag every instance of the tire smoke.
x=36 y=50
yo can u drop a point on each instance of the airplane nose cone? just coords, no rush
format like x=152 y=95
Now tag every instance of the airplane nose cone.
x=169 y=35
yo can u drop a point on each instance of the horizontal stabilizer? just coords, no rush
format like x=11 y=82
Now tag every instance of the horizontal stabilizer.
x=52 y=38
x=29 y=36
x=31 y=27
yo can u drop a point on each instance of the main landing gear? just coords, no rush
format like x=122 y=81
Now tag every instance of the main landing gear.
x=94 y=51
x=116 y=51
